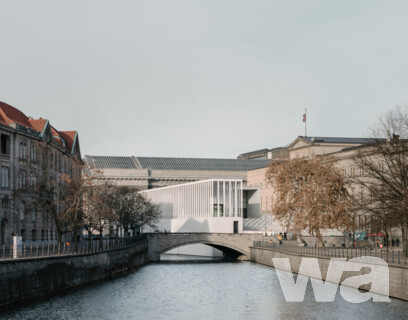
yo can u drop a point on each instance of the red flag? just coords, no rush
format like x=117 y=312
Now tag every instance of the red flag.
x=304 y=117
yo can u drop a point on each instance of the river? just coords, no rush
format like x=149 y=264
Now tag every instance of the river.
x=200 y=289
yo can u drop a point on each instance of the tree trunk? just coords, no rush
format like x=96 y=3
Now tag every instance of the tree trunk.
x=405 y=239
x=89 y=240
x=59 y=237
x=110 y=233
x=126 y=230
x=100 y=237
x=75 y=248
x=319 y=237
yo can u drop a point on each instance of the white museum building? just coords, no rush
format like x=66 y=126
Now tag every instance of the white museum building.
x=213 y=206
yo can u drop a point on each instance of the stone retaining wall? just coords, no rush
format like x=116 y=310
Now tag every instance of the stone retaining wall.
x=398 y=275
x=26 y=278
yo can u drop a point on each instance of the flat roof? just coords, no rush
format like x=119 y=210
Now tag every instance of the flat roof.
x=182 y=164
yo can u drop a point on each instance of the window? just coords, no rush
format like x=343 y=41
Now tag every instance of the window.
x=22 y=211
x=23 y=234
x=42 y=235
x=23 y=150
x=22 y=179
x=33 y=235
x=33 y=181
x=33 y=153
x=5 y=144
x=5 y=176
x=33 y=214
x=60 y=164
x=5 y=202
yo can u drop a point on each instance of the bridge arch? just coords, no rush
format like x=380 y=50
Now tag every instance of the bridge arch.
x=234 y=245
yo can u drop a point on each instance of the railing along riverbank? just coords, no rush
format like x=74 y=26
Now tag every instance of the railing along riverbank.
x=64 y=249
x=389 y=256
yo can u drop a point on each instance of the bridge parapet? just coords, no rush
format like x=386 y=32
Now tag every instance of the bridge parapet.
x=239 y=242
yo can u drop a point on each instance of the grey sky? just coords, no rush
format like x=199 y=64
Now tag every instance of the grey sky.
x=204 y=78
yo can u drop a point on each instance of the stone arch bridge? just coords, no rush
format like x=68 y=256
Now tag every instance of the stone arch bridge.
x=231 y=244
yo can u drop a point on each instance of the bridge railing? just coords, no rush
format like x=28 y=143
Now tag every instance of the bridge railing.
x=390 y=256
x=63 y=249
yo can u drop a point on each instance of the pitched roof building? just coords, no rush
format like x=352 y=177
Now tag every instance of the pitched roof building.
x=25 y=144
x=12 y=118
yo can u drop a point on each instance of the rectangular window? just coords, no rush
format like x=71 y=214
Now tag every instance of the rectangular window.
x=5 y=144
x=33 y=154
x=33 y=235
x=22 y=211
x=23 y=150
x=5 y=202
x=5 y=177
x=22 y=179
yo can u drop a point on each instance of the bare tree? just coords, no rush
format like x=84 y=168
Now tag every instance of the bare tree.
x=310 y=194
x=132 y=210
x=384 y=174
x=98 y=211
x=41 y=183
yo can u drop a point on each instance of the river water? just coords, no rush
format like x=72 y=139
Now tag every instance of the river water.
x=201 y=289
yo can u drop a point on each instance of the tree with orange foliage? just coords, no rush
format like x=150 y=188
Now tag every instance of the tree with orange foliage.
x=310 y=194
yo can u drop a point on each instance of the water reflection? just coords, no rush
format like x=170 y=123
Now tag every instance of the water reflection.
x=202 y=289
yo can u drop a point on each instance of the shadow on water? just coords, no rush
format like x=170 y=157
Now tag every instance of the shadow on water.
x=190 y=259
x=165 y=259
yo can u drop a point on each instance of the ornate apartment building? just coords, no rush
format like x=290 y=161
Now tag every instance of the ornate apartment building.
x=33 y=154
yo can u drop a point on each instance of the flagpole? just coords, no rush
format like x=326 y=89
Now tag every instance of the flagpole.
x=305 y=123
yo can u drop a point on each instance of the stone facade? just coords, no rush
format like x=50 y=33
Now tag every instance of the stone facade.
x=32 y=152
x=339 y=150
x=398 y=275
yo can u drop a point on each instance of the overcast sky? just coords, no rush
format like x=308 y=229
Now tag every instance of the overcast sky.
x=203 y=78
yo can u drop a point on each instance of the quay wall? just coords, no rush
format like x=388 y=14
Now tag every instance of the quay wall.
x=31 y=277
x=398 y=275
